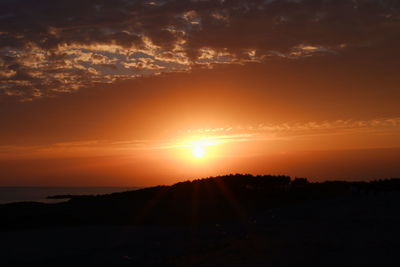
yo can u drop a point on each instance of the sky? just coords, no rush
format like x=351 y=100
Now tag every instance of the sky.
x=140 y=93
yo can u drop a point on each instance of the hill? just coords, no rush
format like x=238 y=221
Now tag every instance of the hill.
x=230 y=198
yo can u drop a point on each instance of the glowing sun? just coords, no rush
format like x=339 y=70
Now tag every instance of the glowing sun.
x=198 y=151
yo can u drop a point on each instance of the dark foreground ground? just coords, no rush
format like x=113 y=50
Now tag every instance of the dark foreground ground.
x=347 y=230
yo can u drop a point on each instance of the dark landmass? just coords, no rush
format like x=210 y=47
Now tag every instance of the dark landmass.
x=204 y=201
x=234 y=220
x=64 y=196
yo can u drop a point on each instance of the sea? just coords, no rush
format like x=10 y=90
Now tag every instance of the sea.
x=40 y=194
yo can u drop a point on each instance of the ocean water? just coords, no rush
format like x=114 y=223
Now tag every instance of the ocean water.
x=40 y=194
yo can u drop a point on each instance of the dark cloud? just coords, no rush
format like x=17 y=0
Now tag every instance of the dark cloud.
x=49 y=47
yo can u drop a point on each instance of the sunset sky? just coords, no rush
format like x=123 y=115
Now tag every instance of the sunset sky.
x=138 y=93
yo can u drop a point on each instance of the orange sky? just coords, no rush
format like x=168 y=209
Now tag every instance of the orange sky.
x=107 y=96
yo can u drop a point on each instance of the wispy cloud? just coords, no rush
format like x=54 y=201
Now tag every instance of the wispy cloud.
x=211 y=137
x=299 y=127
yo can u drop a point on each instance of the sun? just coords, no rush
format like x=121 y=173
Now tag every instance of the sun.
x=198 y=151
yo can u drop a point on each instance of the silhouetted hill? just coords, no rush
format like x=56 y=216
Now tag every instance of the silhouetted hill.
x=211 y=200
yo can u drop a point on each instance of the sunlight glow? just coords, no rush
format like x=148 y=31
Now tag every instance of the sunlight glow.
x=198 y=151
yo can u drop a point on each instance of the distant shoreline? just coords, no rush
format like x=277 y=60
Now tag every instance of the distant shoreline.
x=15 y=194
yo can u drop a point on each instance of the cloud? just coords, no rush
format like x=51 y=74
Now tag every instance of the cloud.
x=49 y=47
x=271 y=131
x=209 y=136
